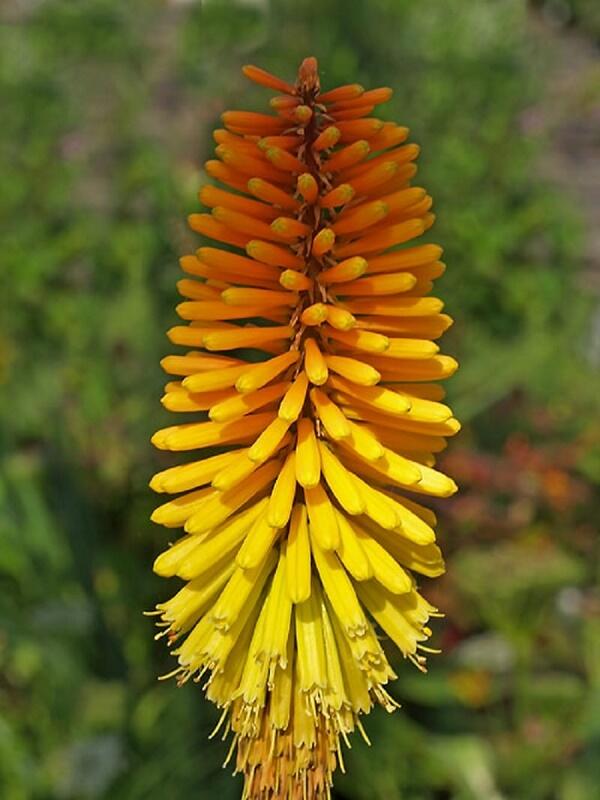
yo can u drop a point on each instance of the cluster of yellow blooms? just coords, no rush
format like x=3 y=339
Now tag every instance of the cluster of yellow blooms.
x=313 y=376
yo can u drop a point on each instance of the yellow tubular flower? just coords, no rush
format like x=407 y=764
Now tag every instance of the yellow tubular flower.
x=313 y=375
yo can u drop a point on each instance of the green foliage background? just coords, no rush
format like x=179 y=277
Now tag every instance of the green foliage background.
x=107 y=109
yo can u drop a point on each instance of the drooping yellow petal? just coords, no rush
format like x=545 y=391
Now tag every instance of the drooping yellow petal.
x=284 y=490
x=233 y=474
x=206 y=434
x=350 y=551
x=257 y=544
x=221 y=505
x=355 y=679
x=298 y=556
x=321 y=515
x=341 y=482
x=385 y=568
x=390 y=611
x=167 y=563
x=240 y=405
x=187 y=476
x=269 y=440
x=281 y=692
x=312 y=661
x=174 y=513
x=335 y=423
x=221 y=543
x=293 y=400
x=185 y=608
x=338 y=588
x=308 y=459
x=231 y=601
x=363 y=443
x=278 y=615
x=353 y=369
x=260 y=374
x=314 y=363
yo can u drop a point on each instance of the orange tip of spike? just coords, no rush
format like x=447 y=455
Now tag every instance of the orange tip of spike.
x=266 y=79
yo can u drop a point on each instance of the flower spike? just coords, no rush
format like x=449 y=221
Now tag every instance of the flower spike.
x=313 y=373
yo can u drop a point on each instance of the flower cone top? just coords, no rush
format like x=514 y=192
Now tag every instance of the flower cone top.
x=310 y=407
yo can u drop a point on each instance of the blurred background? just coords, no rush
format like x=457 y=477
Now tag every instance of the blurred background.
x=107 y=109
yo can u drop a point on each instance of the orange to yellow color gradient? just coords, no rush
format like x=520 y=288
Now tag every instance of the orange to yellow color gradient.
x=310 y=404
